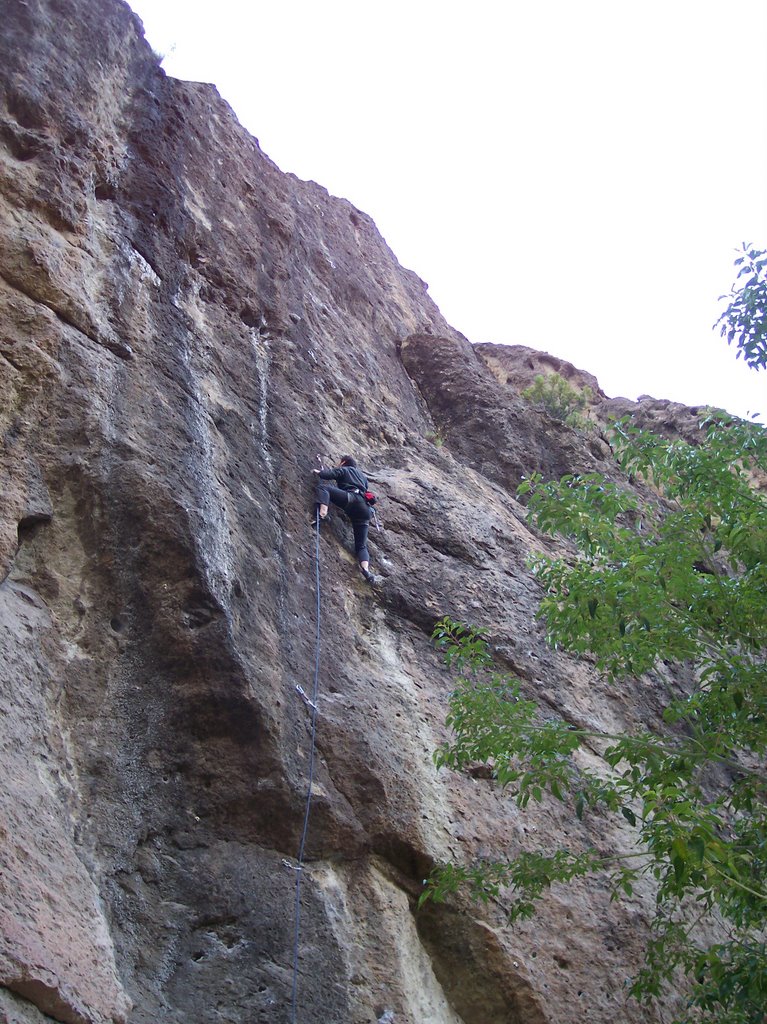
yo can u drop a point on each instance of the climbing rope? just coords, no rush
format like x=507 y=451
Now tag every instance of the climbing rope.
x=313 y=705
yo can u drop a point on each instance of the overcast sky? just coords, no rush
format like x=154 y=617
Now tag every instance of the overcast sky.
x=574 y=176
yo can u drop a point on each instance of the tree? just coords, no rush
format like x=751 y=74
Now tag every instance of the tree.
x=744 y=321
x=677 y=581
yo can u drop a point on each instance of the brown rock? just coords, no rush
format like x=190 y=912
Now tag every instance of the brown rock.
x=517 y=366
x=183 y=328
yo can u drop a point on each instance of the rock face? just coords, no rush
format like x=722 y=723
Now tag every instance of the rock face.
x=182 y=328
x=516 y=367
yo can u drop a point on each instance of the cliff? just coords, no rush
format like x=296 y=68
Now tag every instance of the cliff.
x=182 y=328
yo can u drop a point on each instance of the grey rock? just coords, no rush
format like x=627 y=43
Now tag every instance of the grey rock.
x=183 y=328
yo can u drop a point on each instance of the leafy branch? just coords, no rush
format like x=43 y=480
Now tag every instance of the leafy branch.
x=683 y=582
x=744 y=321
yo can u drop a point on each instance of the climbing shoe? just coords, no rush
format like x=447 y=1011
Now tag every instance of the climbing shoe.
x=371 y=579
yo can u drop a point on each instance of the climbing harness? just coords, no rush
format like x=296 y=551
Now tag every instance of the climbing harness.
x=310 y=703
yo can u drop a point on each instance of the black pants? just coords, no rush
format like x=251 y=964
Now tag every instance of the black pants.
x=358 y=511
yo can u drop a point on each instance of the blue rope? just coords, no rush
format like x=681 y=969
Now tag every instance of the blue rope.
x=302 y=846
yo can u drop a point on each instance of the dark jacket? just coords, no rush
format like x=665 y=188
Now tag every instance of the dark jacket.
x=348 y=478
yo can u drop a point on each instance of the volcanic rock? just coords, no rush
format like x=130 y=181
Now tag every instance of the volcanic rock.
x=183 y=328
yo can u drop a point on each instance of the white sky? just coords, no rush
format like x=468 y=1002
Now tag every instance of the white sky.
x=573 y=175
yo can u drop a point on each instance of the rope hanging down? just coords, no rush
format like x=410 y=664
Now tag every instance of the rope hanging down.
x=313 y=705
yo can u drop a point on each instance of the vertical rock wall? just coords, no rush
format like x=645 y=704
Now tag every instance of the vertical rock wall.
x=182 y=328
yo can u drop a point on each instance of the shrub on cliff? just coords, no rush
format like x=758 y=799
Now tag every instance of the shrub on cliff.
x=554 y=395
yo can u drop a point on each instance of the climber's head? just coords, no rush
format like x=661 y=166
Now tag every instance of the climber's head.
x=347 y=460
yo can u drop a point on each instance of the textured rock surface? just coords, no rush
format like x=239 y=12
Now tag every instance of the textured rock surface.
x=182 y=328
x=516 y=367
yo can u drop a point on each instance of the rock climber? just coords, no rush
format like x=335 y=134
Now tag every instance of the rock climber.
x=349 y=495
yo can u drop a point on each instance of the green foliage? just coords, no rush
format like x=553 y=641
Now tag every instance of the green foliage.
x=745 y=319
x=653 y=584
x=552 y=393
x=645 y=587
